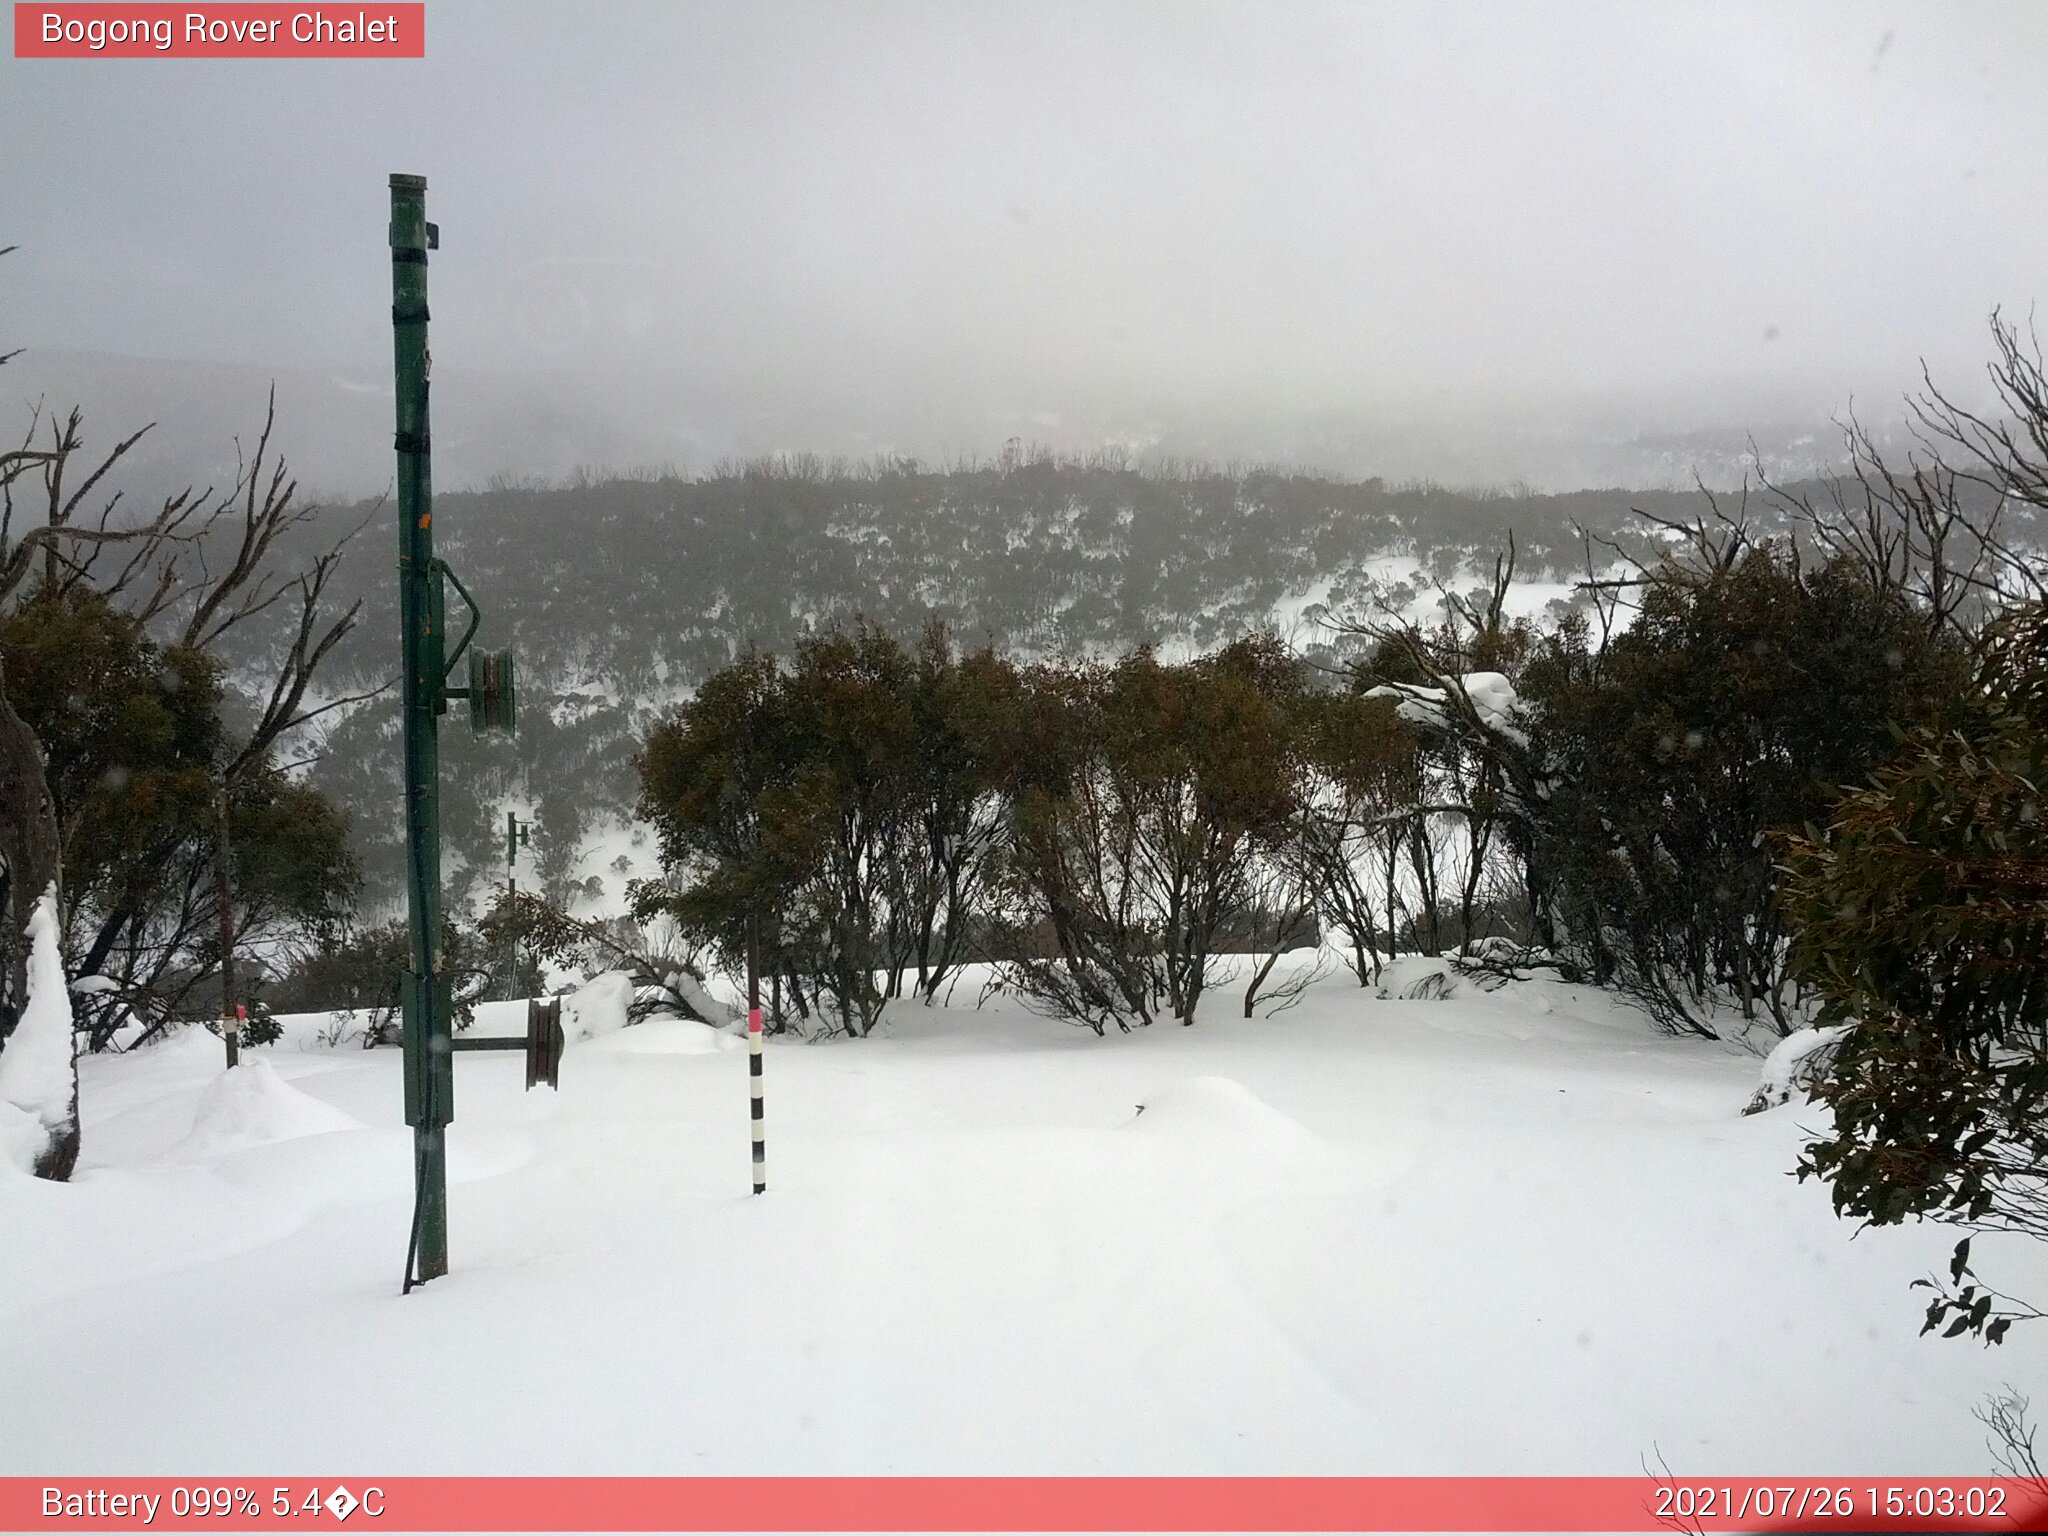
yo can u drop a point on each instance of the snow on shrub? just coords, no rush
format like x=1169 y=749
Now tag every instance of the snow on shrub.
x=1491 y=695
x=694 y=995
x=1418 y=977
x=597 y=1007
x=1793 y=1063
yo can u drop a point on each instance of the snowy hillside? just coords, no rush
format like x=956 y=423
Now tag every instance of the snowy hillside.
x=664 y=579
x=1515 y=1232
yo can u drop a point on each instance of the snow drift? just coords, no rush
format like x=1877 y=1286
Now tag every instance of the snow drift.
x=251 y=1106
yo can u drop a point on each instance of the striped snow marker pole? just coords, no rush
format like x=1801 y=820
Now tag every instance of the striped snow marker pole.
x=754 y=1052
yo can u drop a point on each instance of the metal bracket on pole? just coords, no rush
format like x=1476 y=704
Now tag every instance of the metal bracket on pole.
x=476 y=614
x=542 y=1042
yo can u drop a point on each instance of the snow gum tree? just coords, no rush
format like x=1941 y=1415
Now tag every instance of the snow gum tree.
x=150 y=787
x=115 y=706
x=1363 y=782
x=1921 y=915
x=846 y=801
x=708 y=775
x=1676 y=748
x=1141 y=822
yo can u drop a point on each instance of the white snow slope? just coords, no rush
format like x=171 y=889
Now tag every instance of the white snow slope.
x=1513 y=1233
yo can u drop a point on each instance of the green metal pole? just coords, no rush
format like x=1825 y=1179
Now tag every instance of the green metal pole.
x=429 y=1075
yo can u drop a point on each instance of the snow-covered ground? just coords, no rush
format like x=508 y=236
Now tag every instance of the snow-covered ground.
x=1515 y=1232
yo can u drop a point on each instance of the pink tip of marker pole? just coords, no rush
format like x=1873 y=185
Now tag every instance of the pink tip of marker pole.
x=753 y=1021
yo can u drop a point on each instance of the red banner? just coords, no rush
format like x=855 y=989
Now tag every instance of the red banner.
x=115 y=31
x=1021 y=1504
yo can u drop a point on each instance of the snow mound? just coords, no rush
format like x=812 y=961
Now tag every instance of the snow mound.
x=1220 y=1113
x=597 y=1007
x=1792 y=1064
x=251 y=1106
x=667 y=1037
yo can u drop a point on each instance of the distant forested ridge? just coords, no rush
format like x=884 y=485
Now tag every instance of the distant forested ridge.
x=621 y=594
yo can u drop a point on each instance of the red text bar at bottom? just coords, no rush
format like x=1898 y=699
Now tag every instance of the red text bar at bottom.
x=1512 y=1504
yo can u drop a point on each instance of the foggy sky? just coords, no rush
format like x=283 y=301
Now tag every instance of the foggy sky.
x=918 y=225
